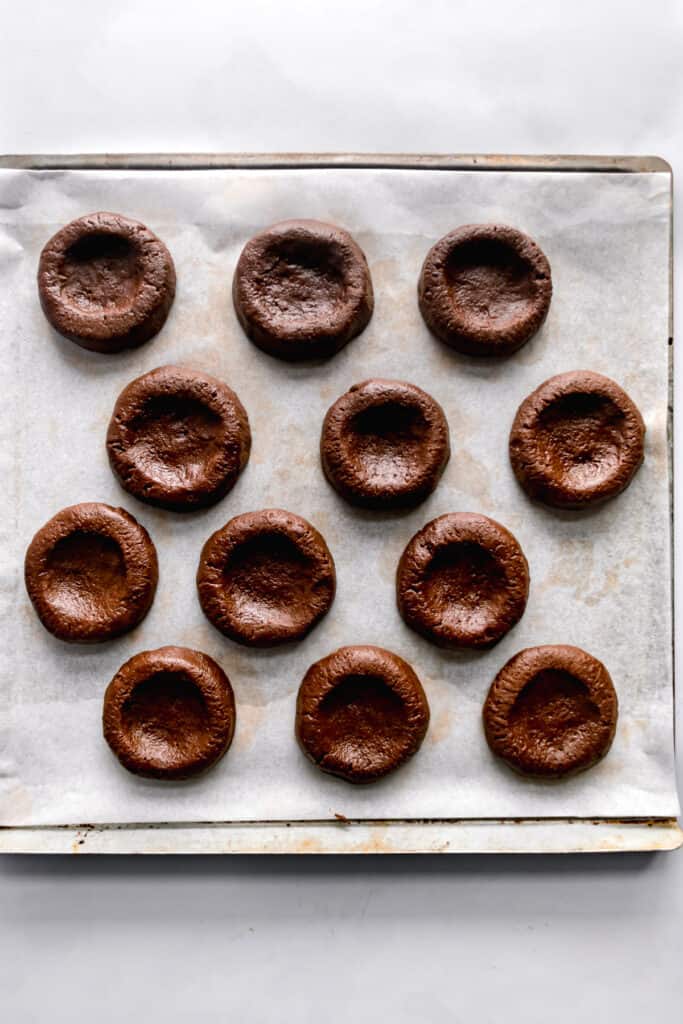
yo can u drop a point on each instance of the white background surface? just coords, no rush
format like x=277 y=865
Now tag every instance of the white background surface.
x=450 y=939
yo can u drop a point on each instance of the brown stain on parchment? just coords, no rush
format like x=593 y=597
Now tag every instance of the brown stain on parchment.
x=301 y=454
x=204 y=333
x=395 y=305
x=459 y=424
x=574 y=569
x=263 y=420
x=656 y=450
x=389 y=559
x=440 y=726
x=249 y=692
x=624 y=730
x=438 y=686
x=471 y=476
x=249 y=720
x=208 y=317
x=327 y=394
x=386 y=274
x=200 y=637
x=609 y=584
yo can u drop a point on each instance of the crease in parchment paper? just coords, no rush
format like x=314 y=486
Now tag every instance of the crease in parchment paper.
x=600 y=580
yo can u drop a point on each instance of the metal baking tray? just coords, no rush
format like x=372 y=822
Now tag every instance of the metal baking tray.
x=515 y=835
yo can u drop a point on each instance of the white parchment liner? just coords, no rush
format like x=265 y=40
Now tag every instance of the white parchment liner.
x=600 y=579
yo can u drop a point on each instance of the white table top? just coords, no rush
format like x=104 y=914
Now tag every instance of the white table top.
x=400 y=939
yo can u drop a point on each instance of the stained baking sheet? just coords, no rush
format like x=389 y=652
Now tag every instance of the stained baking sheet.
x=600 y=580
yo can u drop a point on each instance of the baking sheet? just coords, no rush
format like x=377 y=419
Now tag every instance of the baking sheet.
x=600 y=579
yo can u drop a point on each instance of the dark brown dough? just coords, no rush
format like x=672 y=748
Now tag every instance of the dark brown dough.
x=485 y=289
x=462 y=581
x=178 y=438
x=551 y=711
x=106 y=282
x=91 y=573
x=169 y=713
x=577 y=440
x=302 y=289
x=384 y=444
x=266 y=578
x=361 y=712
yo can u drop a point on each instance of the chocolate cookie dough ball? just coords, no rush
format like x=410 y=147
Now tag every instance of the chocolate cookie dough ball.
x=577 y=440
x=169 y=713
x=91 y=573
x=361 y=713
x=106 y=282
x=178 y=438
x=302 y=289
x=462 y=581
x=551 y=711
x=266 y=578
x=384 y=444
x=485 y=289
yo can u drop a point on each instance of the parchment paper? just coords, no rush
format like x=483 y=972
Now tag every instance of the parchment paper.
x=599 y=579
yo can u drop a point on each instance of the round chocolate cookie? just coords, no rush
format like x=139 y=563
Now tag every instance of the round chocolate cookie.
x=91 y=573
x=361 y=712
x=384 y=444
x=551 y=711
x=577 y=440
x=462 y=581
x=266 y=578
x=485 y=289
x=169 y=713
x=106 y=282
x=178 y=438
x=302 y=289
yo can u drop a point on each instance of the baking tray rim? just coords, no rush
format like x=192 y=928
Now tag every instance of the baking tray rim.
x=513 y=835
x=413 y=161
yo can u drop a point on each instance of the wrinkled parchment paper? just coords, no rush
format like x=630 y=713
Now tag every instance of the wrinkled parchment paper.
x=598 y=579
